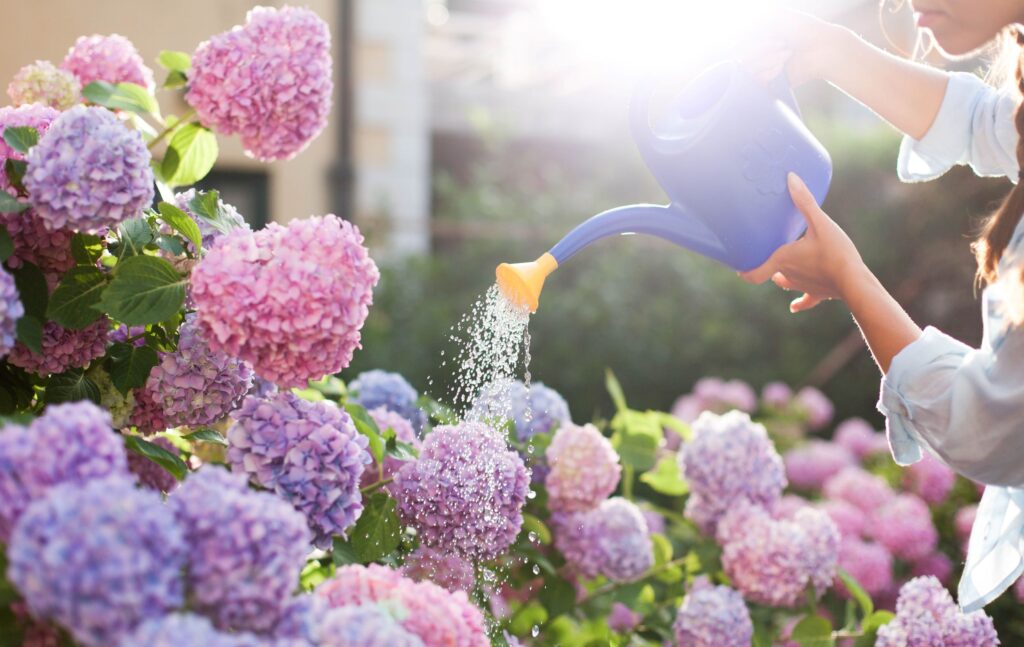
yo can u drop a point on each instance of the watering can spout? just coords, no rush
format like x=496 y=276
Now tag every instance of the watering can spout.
x=521 y=283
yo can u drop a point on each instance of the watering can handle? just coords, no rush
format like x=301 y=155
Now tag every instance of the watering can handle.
x=783 y=91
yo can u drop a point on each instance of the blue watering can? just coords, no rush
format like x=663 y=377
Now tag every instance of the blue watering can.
x=721 y=152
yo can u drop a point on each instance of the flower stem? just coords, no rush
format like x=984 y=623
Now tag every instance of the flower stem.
x=168 y=130
x=373 y=487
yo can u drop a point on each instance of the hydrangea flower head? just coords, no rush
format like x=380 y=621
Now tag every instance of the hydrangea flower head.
x=466 y=492
x=43 y=83
x=935 y=564
x=816 y=405
x=290 y=300
x=713 y=616
x=377 y=388
x=62 y=348
x=904 y=526
x=809 y=466
x=148 y=414
x=386 y=419
x=70 y=443
x=269 y=81
x=112 y=58
x=622 y=619
x=717 y=396
x=926 y=616
x=437 y=617
x=246 y=549
x=610 y=540
x=11 y=310
x=535 y=410
x=777 y=394
x=32 y=115
x=860 y=438
x=584 y=468
x=860 y=488
x=50 y=251
x=448 y=571
x=98 y=569
x=930 y=479
x=309 y=453
x=88 y=172
x=196 y=385
x=180 y=629
x=868 y=562
x=364 y=625
x=149 y=473
x=850 y=519
x=729 y=459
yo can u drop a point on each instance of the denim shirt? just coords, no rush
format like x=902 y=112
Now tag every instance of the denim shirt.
x=966 y=405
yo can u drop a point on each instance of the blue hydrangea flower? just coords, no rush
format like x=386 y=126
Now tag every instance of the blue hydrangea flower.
x=377 y=388
x=185 y=629
x=537 y=410
x=11 y=310
x=610 y=540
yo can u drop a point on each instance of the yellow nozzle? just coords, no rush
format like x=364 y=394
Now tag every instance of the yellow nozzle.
x=521 y=283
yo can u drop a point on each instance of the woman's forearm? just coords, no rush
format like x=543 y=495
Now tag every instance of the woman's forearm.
x=904 y=93
x=886 y=326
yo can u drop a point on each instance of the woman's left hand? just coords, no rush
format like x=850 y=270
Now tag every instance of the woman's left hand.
x=821 y=264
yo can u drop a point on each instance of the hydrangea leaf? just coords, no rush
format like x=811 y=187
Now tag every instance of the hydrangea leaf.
x=870 y=627
x=367 y=427
x=86 y=249
x=165 y=459
x=813 y=631
x=558 y=596
x=615 y=390
x=122 y=96
x=190 y=155
x=21 y=138
x=6 y=244
x=174 y=61
x=206 y=205
x=343 y=553
x=182 y=223
x=867 y=607
x=15 y=171
x=72 y=304
x=133 y=236
x=207 y=435
x=10 y=204
x=130 y=365
x=378 y=531
x=32 y=290
x=71 y=386
x=145 y=290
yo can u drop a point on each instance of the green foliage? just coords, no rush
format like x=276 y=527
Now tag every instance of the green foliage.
x=376 y=534
x=122 y=96
x=145 y=290
x=73 y=303
x=666 y=478
x=162 y=457
x=71 y=386
x=10 y=204
x=34 y=295
x=130 y=365
x=207 y=436
x=182 y=223
x=190 y=155
x=367 y=427
x=21 y=138
x=813 y=631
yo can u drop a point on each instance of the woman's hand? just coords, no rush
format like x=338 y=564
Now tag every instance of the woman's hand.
x=822 y=264
x=803 y=46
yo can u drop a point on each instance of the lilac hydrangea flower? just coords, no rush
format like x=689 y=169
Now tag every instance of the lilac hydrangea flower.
x=290 y=300
x=50 y=251
x=777 y=395
x=366 y=625
x=32 y=115
x=809 y=466
x=713 y=616
x=11 y=310
x=816 y=405
x=62 y=348
x=269 y=81
x=584 y=469
x=860 y=488
x=935 y=564
x=448 y=571
x=535 y=410
x=774 y=562
x=69 y=443
x=43 y=83
x=89 y=172
x=860 y=438
x=246 y=549
x=307 y=452
x=195 y=384
x=299 y=619
x=149 y=473
x=610 y=540
x=850 y=519
x=112 y=58
x=438 y=617
x=98 y=569
x=904 y=526
x=181 y=629
x=930 y=479
x=730 y=459
x=466 y=491
x=927 y=616
x=869 y=563
x=622 y=619
x=717 y=396
x=377 y=388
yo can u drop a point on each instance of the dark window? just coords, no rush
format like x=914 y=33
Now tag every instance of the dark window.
x=248 y=191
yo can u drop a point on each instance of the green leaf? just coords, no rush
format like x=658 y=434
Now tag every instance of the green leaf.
x=402 y=451
x=813 y=631
x=174 y=61
x=558 y=596
x=162 y=457
x=32 y=290
x=170 y=244
x=6 y=244
x=123 y=96
x=86 y=248
x=615 y=390
x=175 y=79
x=182 y=223
x=15 y=170
x=29 y=331
x=72 y=303
x=130 y=365
x=71 y=386
x=190 y=155
x=662 y=549
x=637 y=438
x=343 y=552
x=378 y=531
x=867 y=607
x=16 y=390
x=134 y=235
x=207 y=435
x=666 y=477
x=145 y=290
x=367 y=427
x=438 y=412
x=21 y=138
x=206 y=205
x=870 y=627
x=10 y=204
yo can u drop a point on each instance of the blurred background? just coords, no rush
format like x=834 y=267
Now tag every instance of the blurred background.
x=470 y=132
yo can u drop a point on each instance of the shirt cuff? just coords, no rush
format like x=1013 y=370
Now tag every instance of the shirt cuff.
x=948 y=139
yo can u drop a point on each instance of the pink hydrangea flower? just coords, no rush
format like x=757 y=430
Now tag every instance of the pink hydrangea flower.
x=712 y=616
x=448 y=571
x=904 y=526
x=926 y=616
x=50 y=251
x=776 y=394
x=848 y=518
x=290 y=300
x=868 y=563
x=816 y=405
x=622 y=618
x=610 y=540
x=43 y=83
x=148 y=413
x=584 y=469
x=30 y=116
x=935 y=564
x=860 y=488
x=112 y=58
x=269 y=81
x=930 y=479
x=809 y=466
x=63 y=349
x=860 y=438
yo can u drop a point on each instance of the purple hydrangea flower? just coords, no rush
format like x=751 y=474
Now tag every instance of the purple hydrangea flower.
x=290 y=300
x=31 y=116
x=622 y=619
x=816 y=405
x=777 y=395
x=904 y=526
x=773 y=561
x=195 y=384
x=858 y=436
x=299 y=619
x=466 y=492
x=584 y=469
x=610 y=540
x=307 y=452
x=228 y=213
x=927 y=616
x=869 y=563
x=269 y=81
x=98 y=569
x=112 y=58
x=246 y=549
x=181 y=629
x=850 y=519
x=713 y=616
x=50 y=251
x=62 y=348
x=367 y=625
x=717 y=396
x=535 y=410
x=70 y=443
x=377 y=388
x=809 y=466
x=930 y=479
x=860 y=488
x=43 y=83
x=10 y=311
x=149 y=473
x=935 y=564
x=89 y=172
x=448 y=571
x=730 y=459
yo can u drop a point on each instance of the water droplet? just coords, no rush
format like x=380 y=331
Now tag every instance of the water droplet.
x=533 y=536
x=530 y=449
x=531 y=495
x=536 y=569
x=535 y=631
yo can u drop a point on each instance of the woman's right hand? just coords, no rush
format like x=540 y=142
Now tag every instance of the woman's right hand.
x=802 y=45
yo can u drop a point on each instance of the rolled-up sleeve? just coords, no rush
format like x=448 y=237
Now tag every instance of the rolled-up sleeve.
x=965 y=405
x=974 y=125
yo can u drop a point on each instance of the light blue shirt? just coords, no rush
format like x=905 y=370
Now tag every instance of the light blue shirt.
x=966 y=405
